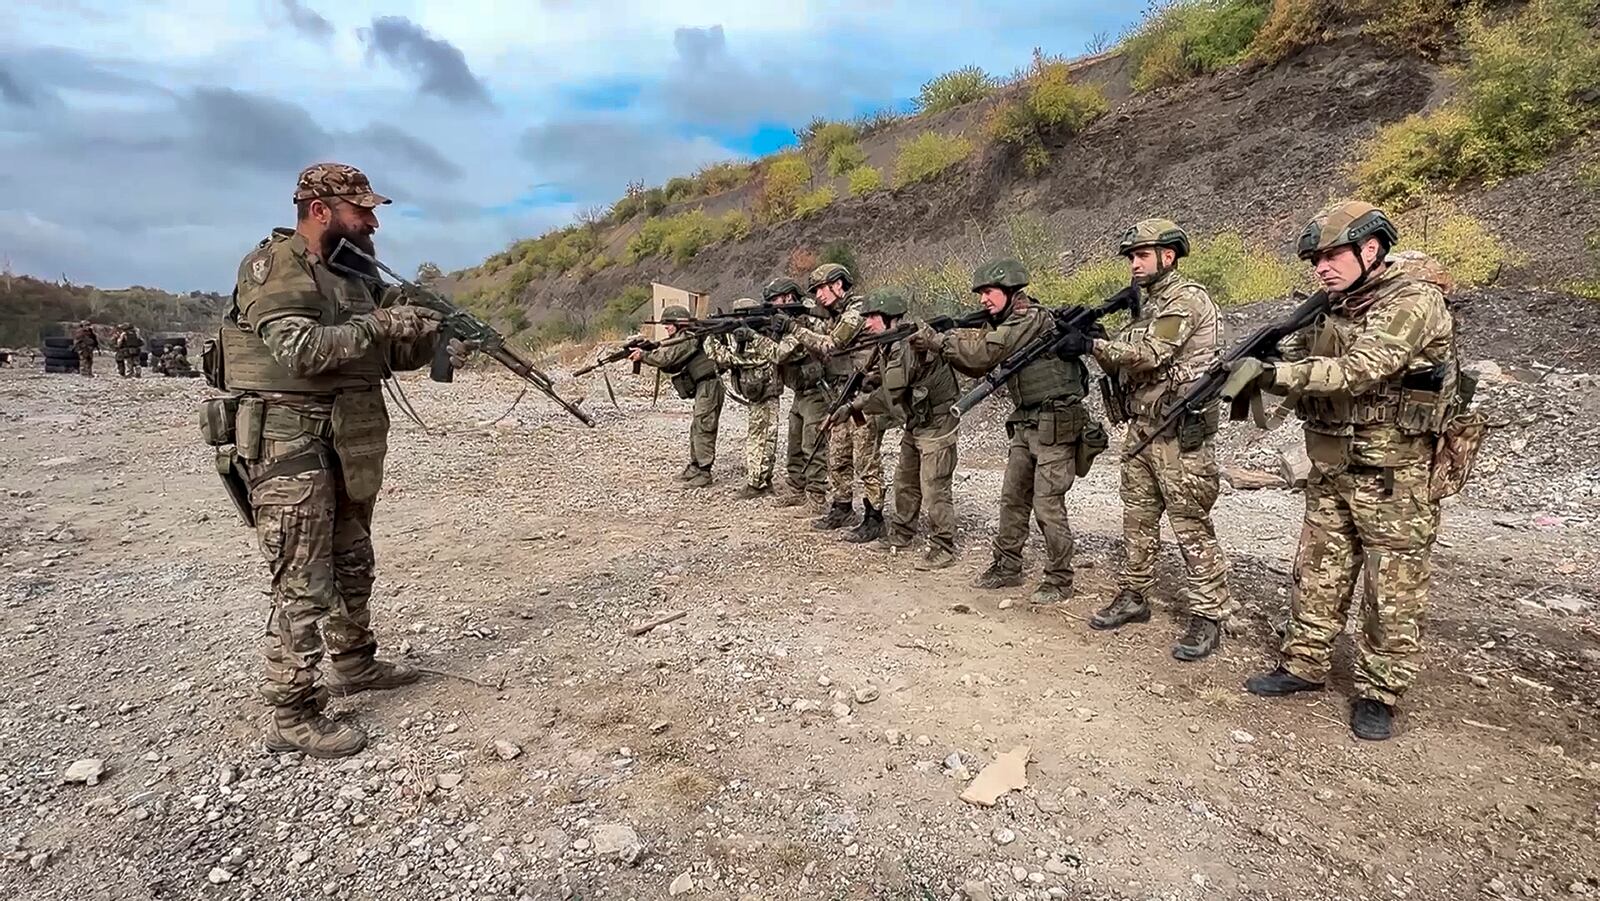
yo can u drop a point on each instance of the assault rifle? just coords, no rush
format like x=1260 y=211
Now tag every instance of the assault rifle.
x=865 y=339
x=726 y=323
x=1068 y=320
x=1216 y=382
x=458 y=323
x=637 y=342
x=841 y=406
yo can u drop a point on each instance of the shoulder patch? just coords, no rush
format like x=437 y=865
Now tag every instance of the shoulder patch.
x=259 y=265
x=1168 y=325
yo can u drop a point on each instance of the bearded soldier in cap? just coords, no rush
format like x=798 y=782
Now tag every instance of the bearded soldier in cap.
x=920 y=387
x=1053 y=440
x=694 y=377
x=747 y=357
x=1375 y=380
x=85 y=342
x=304 y=350
x=853 y=448
x=805 y=469
x=1148 y=365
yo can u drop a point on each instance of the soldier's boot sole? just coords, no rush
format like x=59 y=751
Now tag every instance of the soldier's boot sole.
x=1108 y=622
x=936 y=560
x=1199 y=645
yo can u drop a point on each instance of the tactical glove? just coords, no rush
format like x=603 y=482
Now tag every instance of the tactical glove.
x=1244 y=375
x=925 y=339
x=461 y=351
x=404 y=323
x=1074 y=344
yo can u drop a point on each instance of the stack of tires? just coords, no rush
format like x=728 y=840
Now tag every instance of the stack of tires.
x=59 y=355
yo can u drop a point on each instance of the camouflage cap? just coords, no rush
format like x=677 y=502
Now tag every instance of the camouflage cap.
x=1342 y=223
x=885 y=302
x=826 y=273
x=779 y=287
x=1000 y=274
x=675 y=312
x=1154 y=233
x=328 y=180
x=746 y=303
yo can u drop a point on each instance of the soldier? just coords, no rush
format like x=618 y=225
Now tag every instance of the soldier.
x=747 y=357
x=1148 y=364
x=853 y=448
x=305 y=349
x=1375 y=380
x=128 y=345
x=174 y=362
x=694 y=376
x=85 y=342
x=922 y=387
x=1053 y=440
x=805 y=470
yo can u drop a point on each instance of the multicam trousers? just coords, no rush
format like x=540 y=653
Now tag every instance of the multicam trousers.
x=855 y=454
x=761 y=442
x=1183 y=484
x=1380 y=524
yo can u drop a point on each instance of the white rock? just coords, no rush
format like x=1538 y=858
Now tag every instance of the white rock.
x=449 y=781
x=616 y=840
x=1242 y=737
x=682 y=885
x=87 y=771
x=218 y=876
x=505 y=750
x=1003 y=836
x=866 y=695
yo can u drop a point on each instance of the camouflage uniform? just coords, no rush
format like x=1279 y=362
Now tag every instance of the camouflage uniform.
x=85 y=342
x=1053 y=440
x=854 y=449
x=128 y=345
x=748 y=361
x=305 y=350
x=803 y=376
x=1374 y=379
x=1151 y=362
x=694 y=376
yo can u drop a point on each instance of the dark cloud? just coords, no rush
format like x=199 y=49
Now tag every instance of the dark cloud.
x=14 y=92
x=594 y=156
x=699 y=46
x=252 y=130
x=308 y=21
x=438 y=65
x=392 y=143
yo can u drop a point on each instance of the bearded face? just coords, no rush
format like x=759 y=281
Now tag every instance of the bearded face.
x=350 y=223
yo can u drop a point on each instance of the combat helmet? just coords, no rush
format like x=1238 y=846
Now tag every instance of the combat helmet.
x=674 y=312
x=828 y=272
x=746 y=303
x=1347 y=222
x=780 y=286
x=1154 y=233
x=886 y=302
x=1008 y=274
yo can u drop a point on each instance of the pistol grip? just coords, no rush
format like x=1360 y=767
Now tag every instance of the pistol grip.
x=443 y=370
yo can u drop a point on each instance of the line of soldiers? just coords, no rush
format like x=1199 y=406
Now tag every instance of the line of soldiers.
x=1374 y=379
x=300 y=438
x=128 y=346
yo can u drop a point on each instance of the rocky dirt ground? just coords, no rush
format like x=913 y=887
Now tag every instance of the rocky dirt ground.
x=804 y=731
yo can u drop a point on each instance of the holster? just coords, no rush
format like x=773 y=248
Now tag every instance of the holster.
x=1114 y=398
x=233 y=482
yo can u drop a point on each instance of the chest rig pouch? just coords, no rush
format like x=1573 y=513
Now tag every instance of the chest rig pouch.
x=361 y=440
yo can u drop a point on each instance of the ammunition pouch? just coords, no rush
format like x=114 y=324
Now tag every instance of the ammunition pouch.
x=1115 y=399
x=1092 y=441
x=1062 y=425
x=216 y=420
x=211 y=362
x=360 y=425
x=1195 y=427
x=248 y=424
x=684 y=384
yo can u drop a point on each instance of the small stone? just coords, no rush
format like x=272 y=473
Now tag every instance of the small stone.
x=301 y=857
x=617 y=840
x=505 y=750
x=1006 y=604
x=1324 y=794
x=85 y=772
x=1199 y=879
x=39 y=860
x=1242 y=737
x=660 y=726
x=893 y=736
x=977 y=891
x=852 y=849
x=866 y=695
x=218 y=876
x=682 y=885
x=1194 y=728
x=227 y=776
x=1003 y=836
x=923 y=741
x=1019 y=873
x=840 y=710
x=1481 y=681
x=824 y=681
x=1158 y=689
x=448 y=781
x=1057 y=867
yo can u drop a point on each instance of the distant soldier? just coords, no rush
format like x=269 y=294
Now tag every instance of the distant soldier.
x=747 y=358
x=85 y=342
x=305 y=350
x=128 y=346
x=854 y=453
x=1149 y=364
x=175 y=363
x=694 y=377
x=1053 y=440
x=921 y=387
x=804 y=377
x=1375 y=380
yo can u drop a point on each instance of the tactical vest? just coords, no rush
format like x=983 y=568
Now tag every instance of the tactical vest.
x=248 y=364
x=1147 y=392
x=1048 y=377
x=931 y=396
x=840 y=368
x=805 y=375
x=1417 y=401
x=687 y=376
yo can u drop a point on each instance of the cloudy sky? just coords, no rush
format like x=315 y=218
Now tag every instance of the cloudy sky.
x=155 y=141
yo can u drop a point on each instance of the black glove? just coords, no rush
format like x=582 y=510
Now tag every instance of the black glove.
x=744 y=333
x=1074 y=344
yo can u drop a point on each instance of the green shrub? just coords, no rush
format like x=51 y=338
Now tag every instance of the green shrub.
x=846 y=158
x=649 y=241
x=787 y=178
x=1185 y=38
x=678 y=189
x=841 y=253
x=687 y=233
x=865 y=180
x=718 y=177
x=1235 y=272
x=627 y=208
x=1459 y=241
x=1051 y=107
x=622 y=314
x=655 y=200
x=1290 y=26
x=1090 y=283
x=813 y=202
x=927 y=155
x=877 y=120
x=1522 y=96
x=822 y=136
x=952 y=89
x=733 y=226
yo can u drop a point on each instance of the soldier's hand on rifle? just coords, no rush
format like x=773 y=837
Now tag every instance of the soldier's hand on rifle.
x=405 y=322
x=461 y=351
x=781 y=324
x=744 y=333
x=636 y=355
x=1244 y=374
x=925 y=339
x=1074 y=344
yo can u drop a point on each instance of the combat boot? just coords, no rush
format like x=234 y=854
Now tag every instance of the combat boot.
x=1371 y=720
x=1128 y=606
x=370 y=675
x=997 y=576
x=792 y=496
x=1203 y=636
x=1050 y=593
x=700 y=479
x=936 y=558
x=1278 y=683
x=312 y=734
x=751 y=491
x=689 y=471
x=837 y=517
x=870 y=528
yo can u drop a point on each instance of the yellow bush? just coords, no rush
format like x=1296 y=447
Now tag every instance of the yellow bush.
x=846 y=158
x=1051 y=106
x=733 y=226
x=1291 y=25
x=813 y=202
x=865 y=180
x=787 y=177
x=1090 y=283
x=1458 y=240
x=1184 y=38
x=1235 y=272
x=927 y=155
